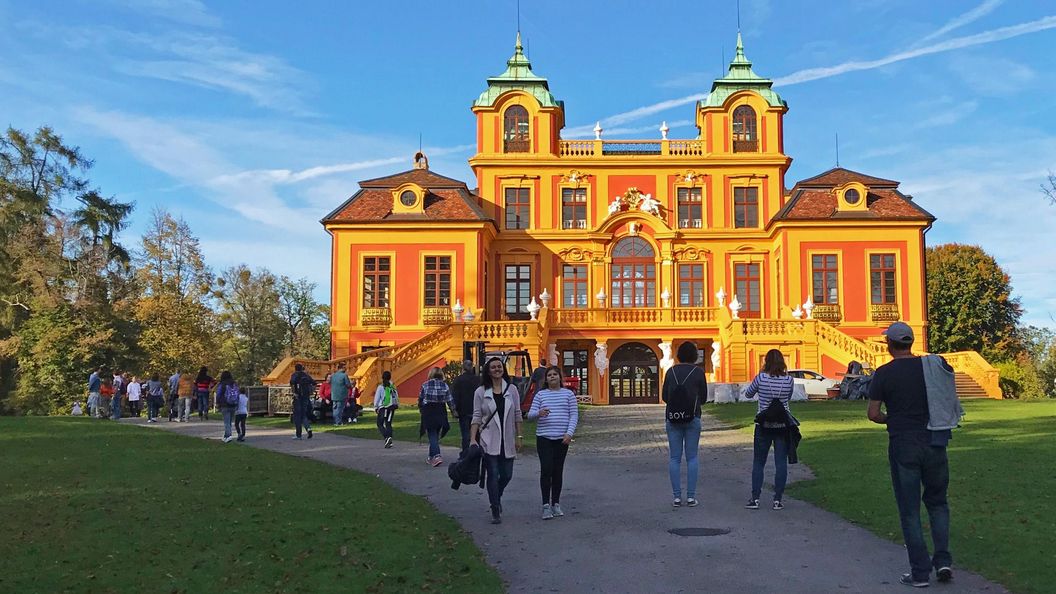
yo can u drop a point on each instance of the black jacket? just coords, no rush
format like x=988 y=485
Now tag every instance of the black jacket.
x=302 y=384
x=463 y=389
x=466 y=470
x=790 y=431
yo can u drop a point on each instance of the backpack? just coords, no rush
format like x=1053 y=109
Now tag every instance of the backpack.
x=228 y=395
x=681 y=407
x=774 y=417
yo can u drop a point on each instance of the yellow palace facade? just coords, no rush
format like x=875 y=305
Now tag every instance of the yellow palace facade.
x=602 y=255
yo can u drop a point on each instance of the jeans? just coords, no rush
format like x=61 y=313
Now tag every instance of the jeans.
x=302 y=414
x=185 y=407
x=203 y=405
x=763 y=440
x=339 y=411
x=152 y=407
x=134 y=407
x=683 y=437
x=434 y=442
x=240 y=426
x=915 y=462
x=552 y=454
x=115 y=408
x=174 y=407
x=385 y=416
x=464 y=423
x=93 y=404
x=500 y=471
x=229 y=416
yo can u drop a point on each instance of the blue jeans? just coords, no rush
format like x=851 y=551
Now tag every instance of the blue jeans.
x=683 y=437
x=500 y=472
x=229 y=415
x=763 y=440
x=301 y=418
x=464 y=422
x=915 y=462
x=203 y=404
x=434 y=442
x=339 y=411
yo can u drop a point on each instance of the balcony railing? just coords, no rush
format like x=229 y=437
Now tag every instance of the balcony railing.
x=516 y=146
x=595 y=149
x=681 y=316
x=376 y=318
x=746 y=146
x=828 y=313
x=574 y=224
x=436 y=316
x=883 y=312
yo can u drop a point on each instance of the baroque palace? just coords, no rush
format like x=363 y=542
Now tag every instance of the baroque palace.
x=603 y=255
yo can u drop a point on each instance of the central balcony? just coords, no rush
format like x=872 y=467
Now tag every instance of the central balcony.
x=638 y=316
x=596 y=149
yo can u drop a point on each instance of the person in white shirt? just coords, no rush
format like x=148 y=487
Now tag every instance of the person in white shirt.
x=135 y=393
x=555 y=407
x=241 y=413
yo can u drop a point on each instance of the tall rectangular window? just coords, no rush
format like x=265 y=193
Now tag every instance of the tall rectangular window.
x=691 y=285
x=376 y=273
x=518 y=285
x=518 y=208
x=745 y=208
x=573 y=208
x=690 y=208
x=574 y=286
x=437 y=281
x=882 y=278
x=746 y=280
x=825 y=272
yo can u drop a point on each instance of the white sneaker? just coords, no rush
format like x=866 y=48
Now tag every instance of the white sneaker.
x=227 y=439
x=556 y=508
x=548 y=514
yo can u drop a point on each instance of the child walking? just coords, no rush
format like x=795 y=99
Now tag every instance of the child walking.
x=241 y=413
x=386 y=401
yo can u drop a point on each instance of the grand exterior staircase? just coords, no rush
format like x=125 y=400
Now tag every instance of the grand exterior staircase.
x=740 y=342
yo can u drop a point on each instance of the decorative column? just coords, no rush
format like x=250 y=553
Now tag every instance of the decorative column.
x=716 y=359
x=601 y=364
x=666 y=361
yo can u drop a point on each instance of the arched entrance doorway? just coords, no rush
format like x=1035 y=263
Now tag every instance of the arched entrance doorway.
x=634 y=375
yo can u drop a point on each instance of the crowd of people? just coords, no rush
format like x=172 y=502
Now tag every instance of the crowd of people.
x=112 y=395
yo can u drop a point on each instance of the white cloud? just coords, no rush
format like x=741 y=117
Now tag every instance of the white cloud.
x=809 y=74
x=980 y=74
x=961 y=20
x=190 y=12
x=950 y=115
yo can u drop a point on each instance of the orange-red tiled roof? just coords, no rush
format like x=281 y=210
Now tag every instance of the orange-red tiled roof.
x=446 y=199
x=838 y=176
x=815 y=198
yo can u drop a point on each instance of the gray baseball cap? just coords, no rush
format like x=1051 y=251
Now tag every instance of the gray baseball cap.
x=899 y=332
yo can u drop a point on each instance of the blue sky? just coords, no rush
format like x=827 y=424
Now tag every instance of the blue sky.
x=253 y=120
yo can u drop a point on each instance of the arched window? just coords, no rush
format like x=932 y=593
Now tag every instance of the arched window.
x=633 y=273
x=515 y=130
x=745 y=139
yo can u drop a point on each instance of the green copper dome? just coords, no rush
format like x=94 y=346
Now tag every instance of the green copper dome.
x=741 y=77
x=518 y=77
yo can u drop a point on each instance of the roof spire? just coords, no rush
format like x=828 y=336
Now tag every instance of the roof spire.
x=517 y=47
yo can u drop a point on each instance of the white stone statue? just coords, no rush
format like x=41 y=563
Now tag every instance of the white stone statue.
x=615 y=205
x=601 y=297
x=457 y=310
x=545 y=298
x=735 y=308
x=649 y=205
x=601 y=357
x=468 y=316
x=533 y=308
x=663 y=130
x=666 y=361
x=665 y=297
x=716 y=354
x=721 y=296
x=597 y=131
x=797 y=313
x=551 y=353
x=808 y=306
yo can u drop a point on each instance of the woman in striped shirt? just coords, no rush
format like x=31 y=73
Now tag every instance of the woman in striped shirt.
x=555 y=407
x=772 y=384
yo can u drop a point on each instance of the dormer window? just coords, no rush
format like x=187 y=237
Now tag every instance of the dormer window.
x=515 y=130
x=851 y=197
x=745 y=139
x=408 y=198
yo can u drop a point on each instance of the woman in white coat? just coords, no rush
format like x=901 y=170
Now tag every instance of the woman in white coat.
x=496 y=428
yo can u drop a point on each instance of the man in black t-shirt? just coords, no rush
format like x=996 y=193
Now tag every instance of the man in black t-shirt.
x=464 y=387
x=916 y=455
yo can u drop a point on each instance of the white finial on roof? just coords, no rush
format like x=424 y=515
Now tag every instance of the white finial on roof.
x=597 y=131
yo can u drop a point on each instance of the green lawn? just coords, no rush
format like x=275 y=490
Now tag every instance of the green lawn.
x=94 y=506
x=1002 y=481
x=404 y=427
